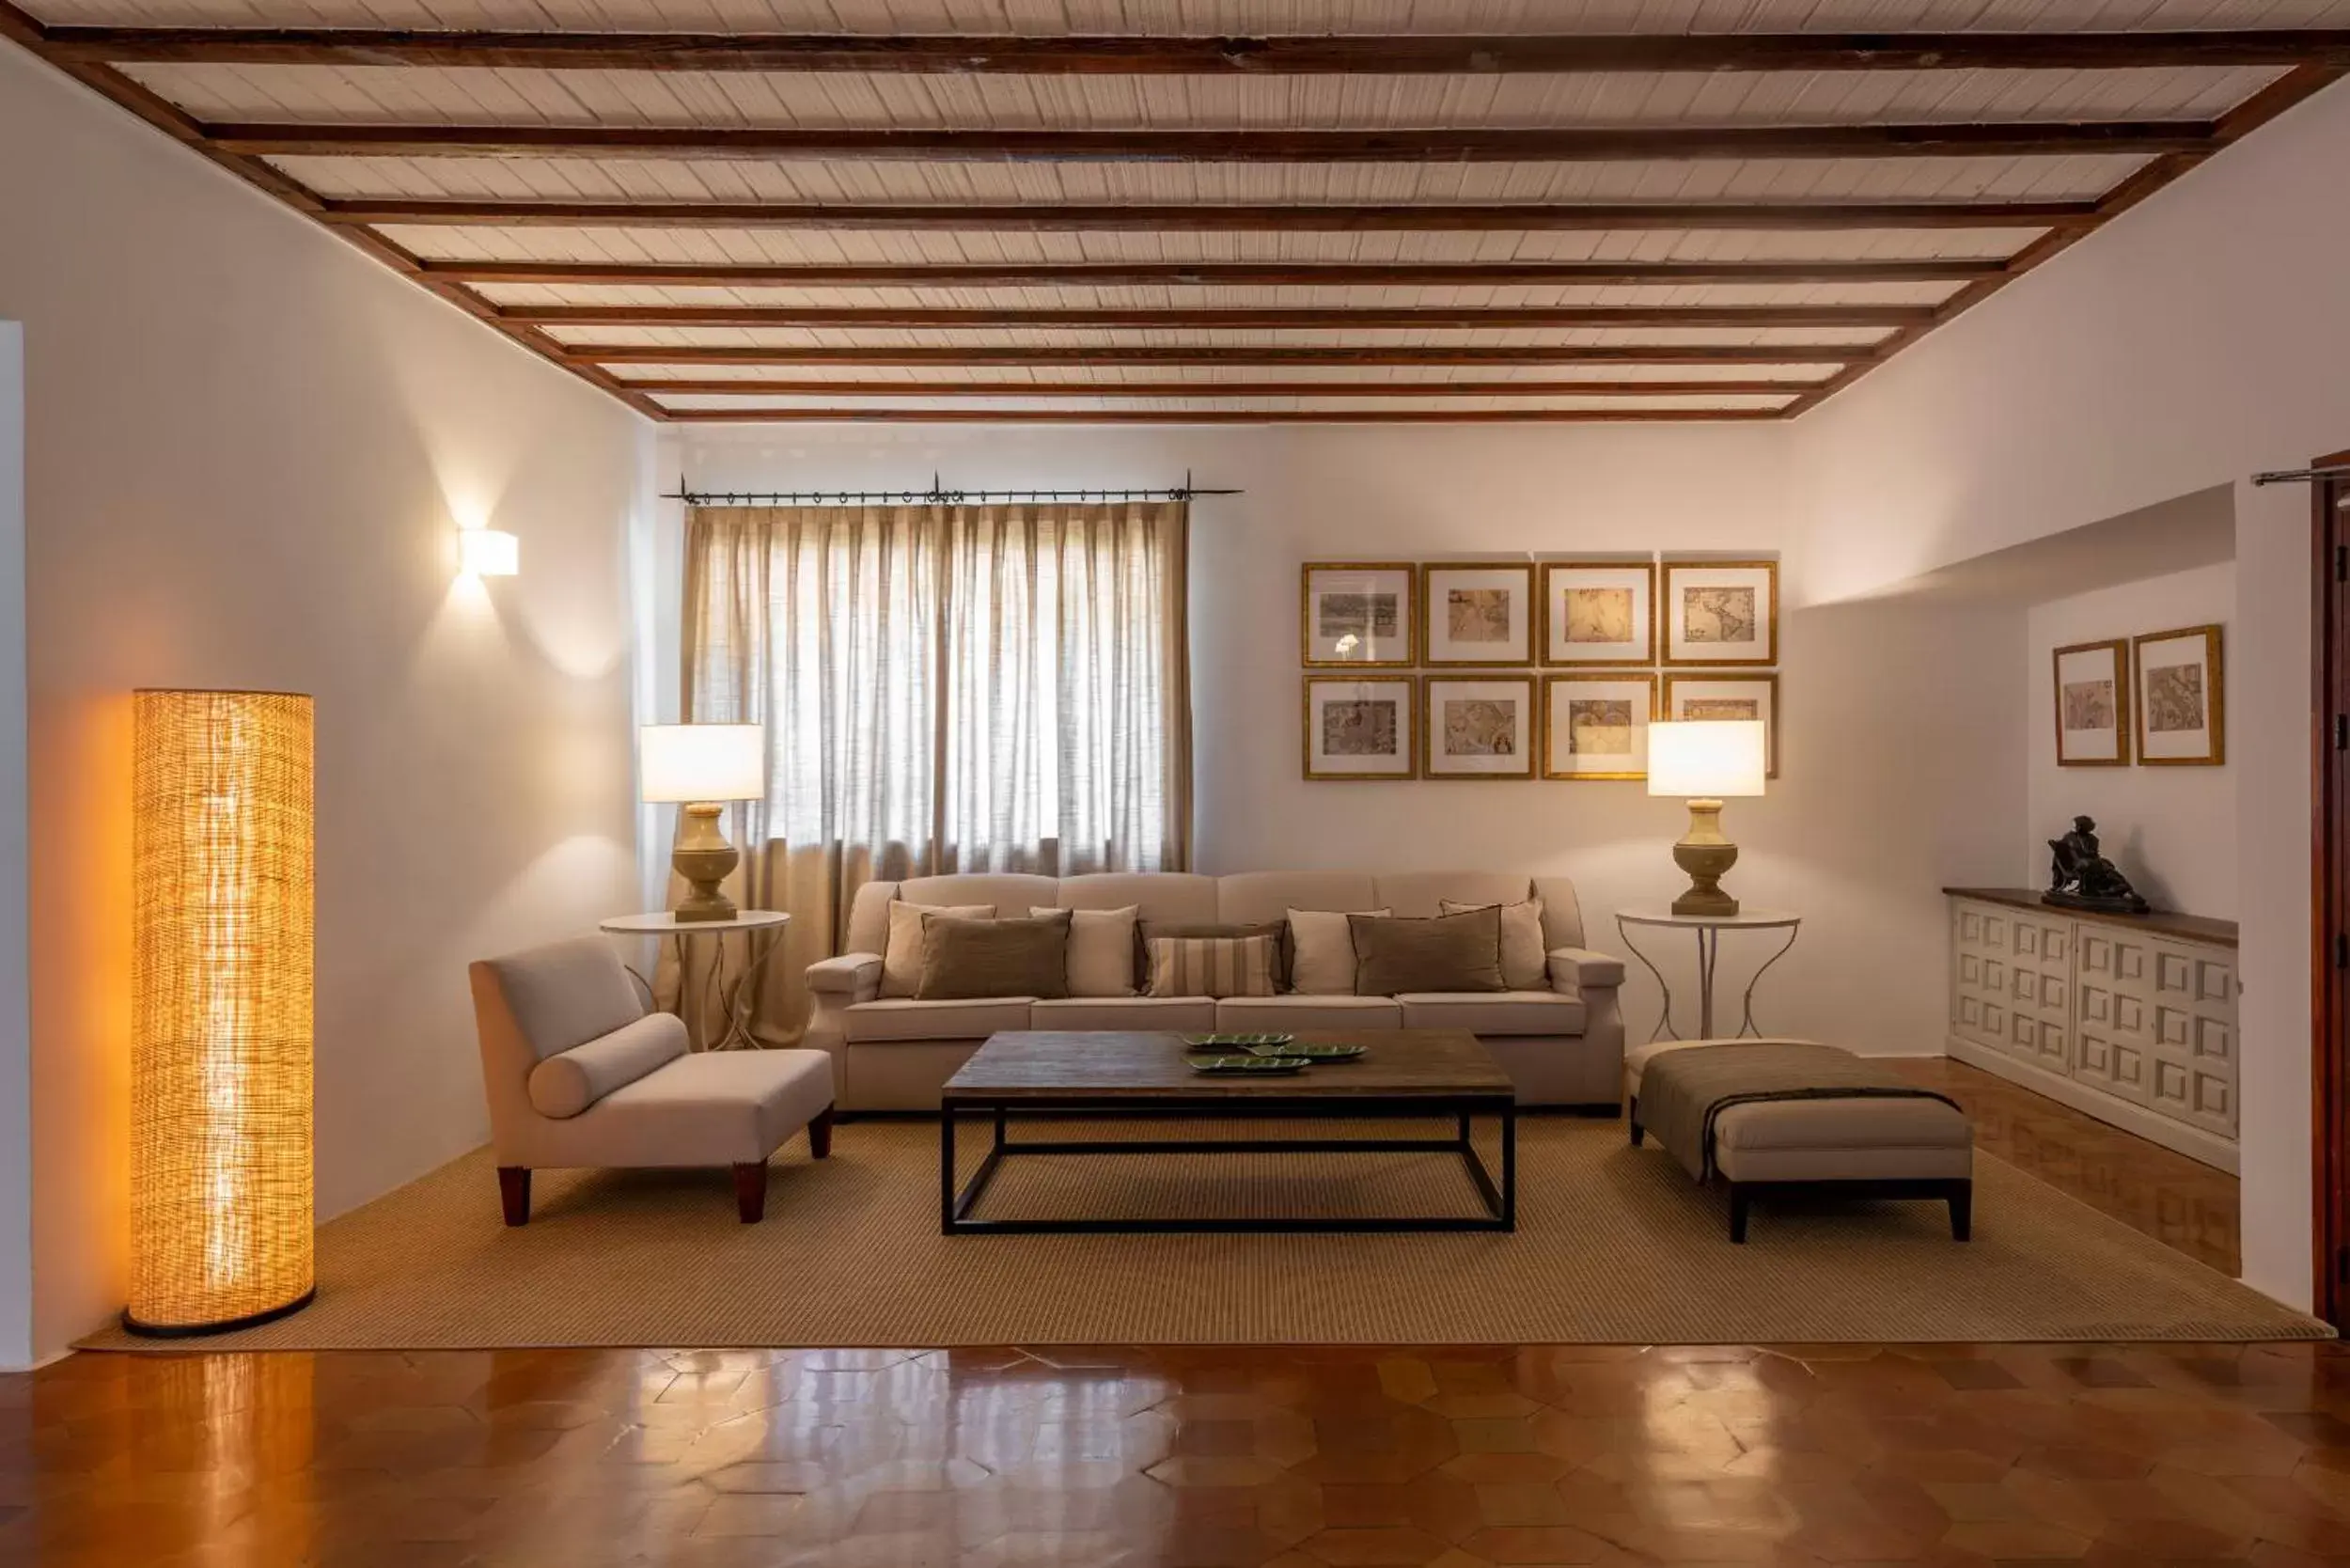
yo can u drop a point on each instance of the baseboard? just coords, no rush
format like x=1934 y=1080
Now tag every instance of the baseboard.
x=2199 y=1146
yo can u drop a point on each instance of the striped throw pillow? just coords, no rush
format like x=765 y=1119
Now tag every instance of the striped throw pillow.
x=1212 y=965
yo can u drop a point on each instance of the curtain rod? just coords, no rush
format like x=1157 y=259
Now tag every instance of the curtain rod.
x=2303 y=475
x=938 y=495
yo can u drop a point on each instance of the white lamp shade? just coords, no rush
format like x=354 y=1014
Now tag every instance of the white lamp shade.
x=487 y=553
x=1706 y=758
x=685 y=762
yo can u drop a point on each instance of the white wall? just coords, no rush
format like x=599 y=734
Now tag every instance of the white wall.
x=249 y=446
x=1895 y=779
x=2170 y=830
x=16 y=1052
x=2203 y=335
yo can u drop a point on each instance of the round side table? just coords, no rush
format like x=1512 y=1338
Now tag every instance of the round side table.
x=1709 y=929
x=664 y=923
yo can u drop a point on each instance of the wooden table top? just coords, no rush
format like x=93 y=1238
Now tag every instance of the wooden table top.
x=1145 y=1064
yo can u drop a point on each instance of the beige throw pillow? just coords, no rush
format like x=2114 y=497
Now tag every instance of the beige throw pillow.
x=901 y=961
x=1525 y=952
x=1212 y=965
x=1322 y=958
x=1451 y=952
x=963 y=959
x=1101 y=949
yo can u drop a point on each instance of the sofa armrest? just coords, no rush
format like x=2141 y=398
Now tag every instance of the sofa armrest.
x=855 y=976
x=1575 y=970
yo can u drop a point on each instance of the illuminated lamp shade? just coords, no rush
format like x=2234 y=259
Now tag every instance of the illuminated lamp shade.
x=487 y=553
x=221 y=1207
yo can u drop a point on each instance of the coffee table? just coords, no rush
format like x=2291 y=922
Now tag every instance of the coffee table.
x=1406 y=1073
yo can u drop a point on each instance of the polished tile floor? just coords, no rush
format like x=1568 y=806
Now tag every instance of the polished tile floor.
x=1951 y=1455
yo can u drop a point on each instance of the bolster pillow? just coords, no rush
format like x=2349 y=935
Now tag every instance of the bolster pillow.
x=570 y=1081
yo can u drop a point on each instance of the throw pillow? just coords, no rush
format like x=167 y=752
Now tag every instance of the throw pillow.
x=1100 y=951
x=1448 y=952
x=1213 y=966
x=963 y=959
x=1151 y=931
x=1321 y=953
x=901 y=961
x=1525 y=952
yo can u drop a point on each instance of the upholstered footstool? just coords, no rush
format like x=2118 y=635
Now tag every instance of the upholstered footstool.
x=1856 y=1131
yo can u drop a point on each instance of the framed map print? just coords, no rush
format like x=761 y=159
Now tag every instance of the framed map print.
x=1477 y=614
x=1361 y=727
x=1477 y=727
x=1596 y=726
x=1599 y=613
x=1356 y=613
x=2182 y=699
x=1728 y=697
x=1721 y=613
x=2092 y=705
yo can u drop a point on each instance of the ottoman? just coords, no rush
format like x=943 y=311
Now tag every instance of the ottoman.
x=1859 y=1147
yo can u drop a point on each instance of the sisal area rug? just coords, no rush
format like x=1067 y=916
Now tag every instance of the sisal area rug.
x=1614 y=1244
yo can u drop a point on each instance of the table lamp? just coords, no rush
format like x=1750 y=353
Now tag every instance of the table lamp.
x=699 y=766
x=1705 y=759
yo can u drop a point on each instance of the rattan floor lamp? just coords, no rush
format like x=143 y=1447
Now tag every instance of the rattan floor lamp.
x=220 y=1211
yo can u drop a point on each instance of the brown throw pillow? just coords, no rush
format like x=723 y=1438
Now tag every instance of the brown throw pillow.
x=1451 y=952
x=967 y=959
x=1147 y=932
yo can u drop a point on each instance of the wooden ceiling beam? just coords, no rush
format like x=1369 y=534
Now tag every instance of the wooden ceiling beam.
x=767 y=388
x=1362 y=318
x=1285 y=274
x=1570 y=144
x=1274 y=56
x=1208 y=416
x=1586 y=354
x=1221 y=217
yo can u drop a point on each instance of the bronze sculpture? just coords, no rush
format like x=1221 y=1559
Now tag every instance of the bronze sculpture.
x=2080 y=877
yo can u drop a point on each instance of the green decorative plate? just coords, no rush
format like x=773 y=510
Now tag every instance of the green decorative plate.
x=1313 y=1052
x=1235 y=1042
x=1246 y=1067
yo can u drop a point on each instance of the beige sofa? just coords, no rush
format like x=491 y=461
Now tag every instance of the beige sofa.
x=1563 y=1045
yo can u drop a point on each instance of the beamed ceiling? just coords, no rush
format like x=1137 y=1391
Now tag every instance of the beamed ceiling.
x=1159 y=211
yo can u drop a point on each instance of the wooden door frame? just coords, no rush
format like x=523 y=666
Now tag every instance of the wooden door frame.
x=2329 y=841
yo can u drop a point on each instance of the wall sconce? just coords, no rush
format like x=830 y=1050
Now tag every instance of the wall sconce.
x=221 y=1209
x=487 y=553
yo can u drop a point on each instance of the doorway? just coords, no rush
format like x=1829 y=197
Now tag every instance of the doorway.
x=2329 y=871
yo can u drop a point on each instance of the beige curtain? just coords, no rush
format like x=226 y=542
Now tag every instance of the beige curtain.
x=945 y=688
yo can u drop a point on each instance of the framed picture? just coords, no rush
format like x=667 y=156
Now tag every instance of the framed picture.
x=1596 y=726
x=1721 y=613
x=2092 y=705
x=1477 y=614
x=1599 y=613
x=2182 y=699
x=1728 y=697
x=1361 y=727
x=1356 y=613
x=1477 y=727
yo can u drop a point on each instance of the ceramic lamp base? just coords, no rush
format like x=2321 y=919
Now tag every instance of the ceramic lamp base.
x=704 y=859
x=1707 y=857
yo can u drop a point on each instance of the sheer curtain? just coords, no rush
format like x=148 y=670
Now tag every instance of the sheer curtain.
x=945 y=688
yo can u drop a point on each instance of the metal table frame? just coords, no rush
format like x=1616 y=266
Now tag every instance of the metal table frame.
x=1709 y=935
x=956 y=1204
x=722 y=999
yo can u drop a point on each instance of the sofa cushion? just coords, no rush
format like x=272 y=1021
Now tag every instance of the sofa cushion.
x=994 y=958
x=1322 y=951
x=903 y=1018
x=570 y=1081
x=902 y=960
x=1524 y=954
x=1212 y=965
x=1180 y=1015
x=1493 y=1013
x=1309 y=1013
x=565 y=993
x=1149 y=931
x=1101 y=949
x=1446 y=952
x=709 y=1108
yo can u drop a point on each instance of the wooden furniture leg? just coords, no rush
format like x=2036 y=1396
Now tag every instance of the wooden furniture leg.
x=514 y=1193
x=1962 y=1210
x=1737 y=1213
x=820 y=1135
x=750 y=1192
x=1632 y=1115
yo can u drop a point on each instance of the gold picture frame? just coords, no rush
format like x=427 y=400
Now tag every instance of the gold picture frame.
x=1686 y=685
x=1310 y=651
x=1684 y=644
x=1642 y=682
x=1636 y=650
x=1408 y=716
x=1520 y=581
x=2065 y=700
x=2159 y=701
x=1526 y=741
